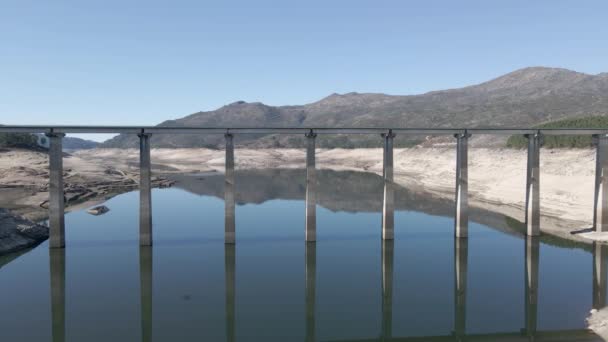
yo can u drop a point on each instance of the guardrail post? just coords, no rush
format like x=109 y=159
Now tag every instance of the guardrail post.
x=533 y=185
x=387 y=288
x=461 y=254
x=56 y=191
x=311 y=188
x=57 y=271
x=388 y=201
x=229 y=220
x=532 y=258
x=230 y=270
x=311 y=278
x=461 y=217
x=145 y=191
x=145 y=283
x=600 y=253
x=600 y=212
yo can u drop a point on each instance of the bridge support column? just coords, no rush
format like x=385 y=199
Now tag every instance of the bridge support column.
x=57 y=271
x=311 y=279
x=388 y=202
x=461 y=217
x=600 y=213
x=461 y=253
x=145 y=191
x=531 y=308
x=145 y=281
x=56 y=192
x=387 y=288
x=229 y=217
x=230 y=269
x=533 y=185
x=600 y=253
x=311 y=188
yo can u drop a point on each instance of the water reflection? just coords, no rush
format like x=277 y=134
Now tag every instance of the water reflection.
x=145 y=278
x=387 y=288
x=230 y=270
x=461 y=253
x=600 y=253
x=310 y=296
x=57 y=272
x=531 y=276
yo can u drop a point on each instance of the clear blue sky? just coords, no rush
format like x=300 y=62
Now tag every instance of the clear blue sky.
x=142 y=62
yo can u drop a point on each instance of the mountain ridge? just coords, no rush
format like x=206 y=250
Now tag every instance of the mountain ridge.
x=524 y=97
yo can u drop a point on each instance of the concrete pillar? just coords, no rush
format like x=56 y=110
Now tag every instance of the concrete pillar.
x=388 y=201
x=461 y=253
x=387 y=288
x=461 y=217
x=145 y=280
x=533 y=185
x=600 y=253
x=145 y=191
x=230 y=269
x=600 y=213
x=56 y=194
x=57 y=271
x=532 y=260
x=311 y=189
x=310 y=296
x=229 y=217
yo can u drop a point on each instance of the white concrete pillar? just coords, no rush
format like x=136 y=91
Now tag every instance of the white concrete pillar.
x=56 y=192
x=311 y=279
x=387 y=288
x=145 y=282
x=533 y=185
x=388 y=201
x=229 y=217
x=311 y=189
x=600 y=253
x=461 y=217
x=57 y=271
x=600 y=213
x=461 y=254
x=145 y=191
x=230 y=270
x=532 y=260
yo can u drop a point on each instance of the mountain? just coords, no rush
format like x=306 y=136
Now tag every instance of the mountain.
x=522 y=98
x=72 y=143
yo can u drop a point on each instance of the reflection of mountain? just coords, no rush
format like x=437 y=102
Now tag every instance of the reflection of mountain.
x=338 y=191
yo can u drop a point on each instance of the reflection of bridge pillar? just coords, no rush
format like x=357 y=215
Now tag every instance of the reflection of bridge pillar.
x=145 y=283
x=230 y=266
x=57 y=270
x=387 y=288
x=56 y=192
x=461 y=247
x=311 y=276
x=229 y=191
x=533 y=185
x=600 y=253
x=532 y=259
x=145 y=191
x=388 y=202
x=311 y=189
x=461 y=217
x=600 y=213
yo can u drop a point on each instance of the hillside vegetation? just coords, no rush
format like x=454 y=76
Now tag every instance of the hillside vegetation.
x=23 y=140
x=564 y=141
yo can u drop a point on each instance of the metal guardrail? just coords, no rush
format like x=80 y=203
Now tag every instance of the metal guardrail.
x=294 y=130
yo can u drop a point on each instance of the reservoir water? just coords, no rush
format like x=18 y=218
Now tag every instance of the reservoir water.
x=272 y=286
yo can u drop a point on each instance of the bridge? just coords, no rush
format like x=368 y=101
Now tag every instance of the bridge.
x=532 y=207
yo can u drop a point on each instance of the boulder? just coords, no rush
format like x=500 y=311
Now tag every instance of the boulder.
x=100 y=210
x=17 y=233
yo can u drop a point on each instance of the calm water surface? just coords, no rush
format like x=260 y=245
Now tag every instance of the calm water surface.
x=272 y=286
